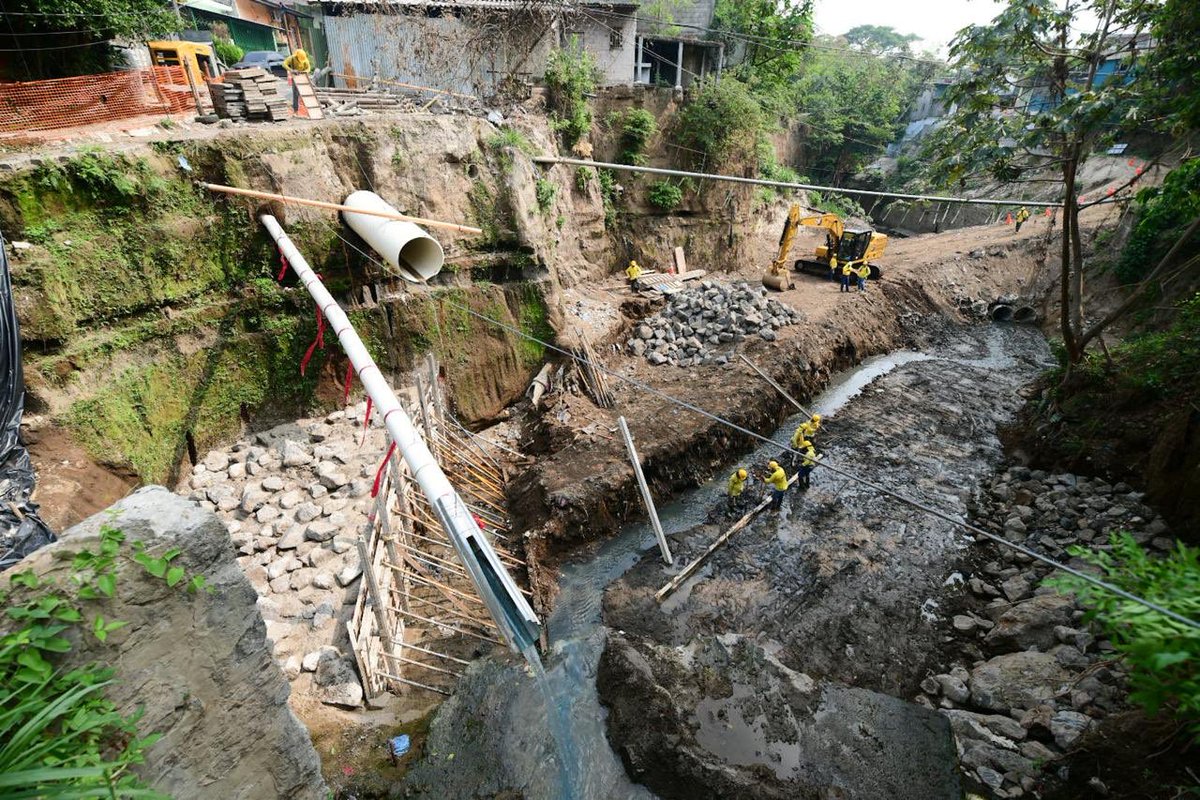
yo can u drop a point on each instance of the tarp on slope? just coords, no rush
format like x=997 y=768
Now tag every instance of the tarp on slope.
x=21 y=529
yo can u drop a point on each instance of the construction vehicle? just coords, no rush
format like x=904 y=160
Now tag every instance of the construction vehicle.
x=855 y=246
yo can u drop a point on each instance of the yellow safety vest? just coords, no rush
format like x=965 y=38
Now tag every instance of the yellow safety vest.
x=864 y=271
x=848 y=269
x=736 y=485
x=778 y=479
x=809 y=455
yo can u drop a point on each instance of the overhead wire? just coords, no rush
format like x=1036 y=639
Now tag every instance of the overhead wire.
x=820 y=462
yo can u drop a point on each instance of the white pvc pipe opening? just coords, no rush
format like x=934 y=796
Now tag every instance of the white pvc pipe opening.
x=414 y=254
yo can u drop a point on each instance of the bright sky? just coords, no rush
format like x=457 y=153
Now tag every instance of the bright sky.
x=935 y=21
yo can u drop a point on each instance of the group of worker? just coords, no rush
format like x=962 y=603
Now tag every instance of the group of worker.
x=804 y=458
x=849 y=274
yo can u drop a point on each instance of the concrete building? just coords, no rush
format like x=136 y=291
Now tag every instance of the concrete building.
x=609 y=32
x=678 y=51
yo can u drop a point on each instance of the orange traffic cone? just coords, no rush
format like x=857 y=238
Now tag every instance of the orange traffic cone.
x=1008 y=220
x=1047 y=211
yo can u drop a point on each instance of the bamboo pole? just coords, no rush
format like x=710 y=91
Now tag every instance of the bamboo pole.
x=415 y=663
x=455 y=613
x=646 y=498
x=445 y=625
x=424 y=686
x=304 y=201
x=420 y=649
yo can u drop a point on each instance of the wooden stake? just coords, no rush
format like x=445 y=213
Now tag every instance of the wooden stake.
x=646 y=498
x=304 y=201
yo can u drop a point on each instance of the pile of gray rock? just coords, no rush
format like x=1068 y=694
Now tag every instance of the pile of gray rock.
x=1033 y=678
x=698 y=321
x=294 y=499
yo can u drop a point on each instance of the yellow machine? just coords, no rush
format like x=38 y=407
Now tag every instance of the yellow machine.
x=853 y=245
x=196 y=57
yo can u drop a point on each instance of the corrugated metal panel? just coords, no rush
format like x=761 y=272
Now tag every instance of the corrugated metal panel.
x=441 y=53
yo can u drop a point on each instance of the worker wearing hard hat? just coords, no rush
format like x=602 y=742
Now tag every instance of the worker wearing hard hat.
x=833 y=268
x=737 y=488
x=863 y=272
x=808 y=460
x=1022 y=215
x=847 y=275
x=778 y=481
x=633 y=271
x=806 y=430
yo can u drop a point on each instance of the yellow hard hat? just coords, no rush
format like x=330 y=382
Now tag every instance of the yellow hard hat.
x=816 y=417
x=633 y=263
x=741 y=474
x=773 y=465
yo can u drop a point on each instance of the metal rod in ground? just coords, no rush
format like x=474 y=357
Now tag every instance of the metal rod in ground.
x=778 y=388
x=646 y=498
x=424 y=686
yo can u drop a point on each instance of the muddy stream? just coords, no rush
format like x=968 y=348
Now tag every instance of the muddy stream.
x=492 y=738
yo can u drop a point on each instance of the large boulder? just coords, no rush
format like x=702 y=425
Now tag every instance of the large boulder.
x=1031 y=623
x=199 y=664
x=1017 y=680
x=727 y=719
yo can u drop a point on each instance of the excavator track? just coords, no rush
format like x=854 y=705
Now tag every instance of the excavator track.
x=821 y=269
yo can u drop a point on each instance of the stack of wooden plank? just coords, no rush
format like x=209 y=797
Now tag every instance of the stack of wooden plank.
x=252 y=94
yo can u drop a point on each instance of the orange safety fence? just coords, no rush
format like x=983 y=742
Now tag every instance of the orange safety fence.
x=90 y=99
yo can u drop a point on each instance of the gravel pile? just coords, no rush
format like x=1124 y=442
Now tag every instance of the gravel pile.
x=699 y=320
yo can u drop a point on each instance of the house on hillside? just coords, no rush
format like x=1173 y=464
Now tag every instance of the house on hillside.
x=257 y=31
x=1118 y=64
x=476 y=47
x=678 y=51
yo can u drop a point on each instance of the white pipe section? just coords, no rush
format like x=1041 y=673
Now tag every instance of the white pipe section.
x=675 y=173
x=504 y=600
x=415 y=255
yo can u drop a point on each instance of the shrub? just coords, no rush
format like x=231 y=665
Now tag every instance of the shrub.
x=608 y=191
x=1162 y=653
x=583 y=177
x=505 y=141
x=722 y=121
x=227 y=51
x=545 y=192
x=637 y=130
x=1163 y=213
x=571 y=75
x=665 y=195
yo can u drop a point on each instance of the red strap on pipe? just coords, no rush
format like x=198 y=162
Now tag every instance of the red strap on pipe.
x=366 y=421
x=283 y=266
x=317 y=342
x=349 y=382
x=379 y=472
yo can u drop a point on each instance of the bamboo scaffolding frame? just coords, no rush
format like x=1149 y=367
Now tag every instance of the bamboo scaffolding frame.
x=419 y=649
x=483 y=623
x=419 y=685
x=445 y=625
x=416 y=663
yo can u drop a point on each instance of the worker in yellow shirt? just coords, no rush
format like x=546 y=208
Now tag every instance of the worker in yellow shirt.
x=737 y=488
x=778 y=481
x=807 y=430
x=863 y=272
x=296 y=62
x=847 y=275
x=633 y=271
x=1022 y=215
x=808 y=460
x=833 y=268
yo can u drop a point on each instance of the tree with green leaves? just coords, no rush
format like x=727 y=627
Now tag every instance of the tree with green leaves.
x=765 y=39
x=1034 y=96
x=880 y=40
x=59 y=38
x=853 y=106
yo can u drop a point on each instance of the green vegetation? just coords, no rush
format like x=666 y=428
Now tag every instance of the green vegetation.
x=1162 y=653
x=505 y=142
x=724 y=121
x=62 y=737
x=78 y=33
x=227 y=51
x=665 y=195
x=583 y=178
x=637 y=129
x=608 y=192
x=1162 y=215
x=773 y=34
x=545 y=192
x=571 y=75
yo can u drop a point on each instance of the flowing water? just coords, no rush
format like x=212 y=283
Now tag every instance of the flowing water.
x=485 y=726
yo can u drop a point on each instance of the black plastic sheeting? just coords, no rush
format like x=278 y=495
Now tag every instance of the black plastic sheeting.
x=21 y=529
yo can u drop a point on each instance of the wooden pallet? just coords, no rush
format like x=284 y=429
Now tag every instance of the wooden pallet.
x=656 y=284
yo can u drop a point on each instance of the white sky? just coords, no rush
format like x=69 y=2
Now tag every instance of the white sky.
x=935 y=21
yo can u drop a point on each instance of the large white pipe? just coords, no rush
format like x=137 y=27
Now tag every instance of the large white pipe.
x=415 y=255
x=504 y=600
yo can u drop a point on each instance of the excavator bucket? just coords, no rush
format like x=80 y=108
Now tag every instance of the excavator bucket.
x=780 y=281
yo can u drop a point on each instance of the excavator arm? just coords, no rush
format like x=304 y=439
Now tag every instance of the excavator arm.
x=830 y=221
x=779 y=276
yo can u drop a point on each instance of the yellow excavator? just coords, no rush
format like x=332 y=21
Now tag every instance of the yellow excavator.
x=854 y=245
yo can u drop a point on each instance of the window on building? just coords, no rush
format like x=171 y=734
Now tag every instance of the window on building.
x=616 y=39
